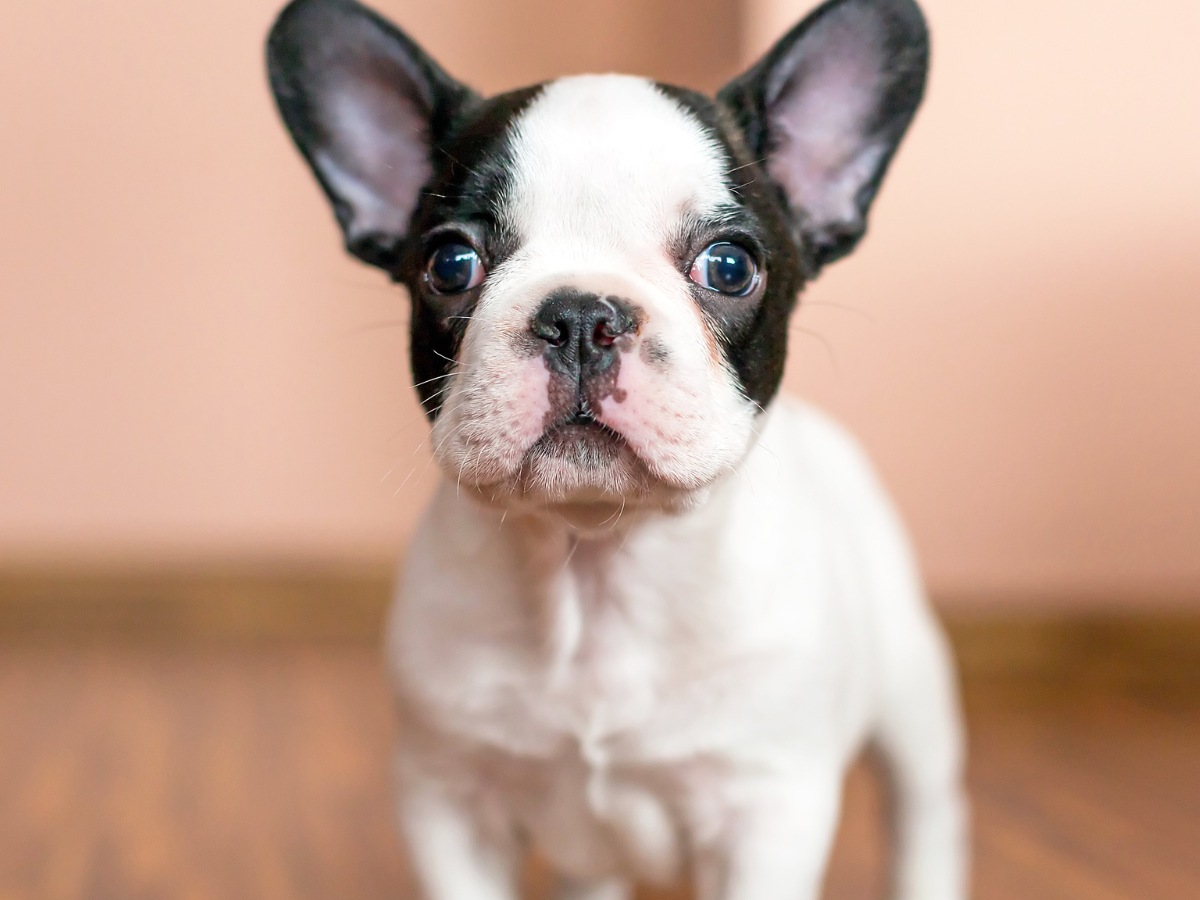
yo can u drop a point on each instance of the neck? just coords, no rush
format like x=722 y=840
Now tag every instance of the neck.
x=582 y=566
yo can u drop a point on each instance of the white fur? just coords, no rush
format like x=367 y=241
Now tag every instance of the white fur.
x=674 y=688
x=678 y=690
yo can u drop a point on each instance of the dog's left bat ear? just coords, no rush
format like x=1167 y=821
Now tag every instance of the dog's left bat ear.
x=365 y=106
x=825 y=110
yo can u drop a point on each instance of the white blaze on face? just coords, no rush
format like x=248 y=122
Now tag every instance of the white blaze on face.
x=605 y=164
x=608 y=171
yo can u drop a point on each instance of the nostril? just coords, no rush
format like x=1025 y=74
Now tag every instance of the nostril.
x=604 y=335
x=553 y=333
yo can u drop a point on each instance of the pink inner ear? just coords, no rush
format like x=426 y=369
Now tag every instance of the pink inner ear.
x=378 y=158
x=821 y=114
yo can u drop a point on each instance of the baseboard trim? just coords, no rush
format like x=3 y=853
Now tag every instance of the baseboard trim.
x=192 y=604
x=195 y=603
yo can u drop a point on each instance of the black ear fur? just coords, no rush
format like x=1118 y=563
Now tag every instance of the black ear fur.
x=825 y=110
x=365 y=106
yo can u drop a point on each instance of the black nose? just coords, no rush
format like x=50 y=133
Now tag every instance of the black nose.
x=580 y=330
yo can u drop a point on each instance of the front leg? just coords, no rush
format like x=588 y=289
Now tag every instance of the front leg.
x=455 y=856
x=777 y=845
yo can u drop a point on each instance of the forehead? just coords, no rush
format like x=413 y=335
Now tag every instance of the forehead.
x=611 y=158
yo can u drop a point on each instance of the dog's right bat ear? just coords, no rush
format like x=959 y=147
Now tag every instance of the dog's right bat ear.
x=365 y=105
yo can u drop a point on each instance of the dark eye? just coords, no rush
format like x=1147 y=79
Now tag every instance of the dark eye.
x=725 y=268
x=453 y=268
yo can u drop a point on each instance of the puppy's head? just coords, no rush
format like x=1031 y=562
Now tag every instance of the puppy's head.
x=601 y=267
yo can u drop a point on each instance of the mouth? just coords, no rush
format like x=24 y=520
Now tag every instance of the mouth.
x=580 y=459
x=580 y=464
x=582 y=439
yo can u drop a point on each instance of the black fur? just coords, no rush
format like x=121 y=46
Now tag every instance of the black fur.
x=307 y=38
x=469 y=146
x=471 y=166
x=752 y=330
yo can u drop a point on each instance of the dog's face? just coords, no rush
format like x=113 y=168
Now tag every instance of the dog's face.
x=601 y=268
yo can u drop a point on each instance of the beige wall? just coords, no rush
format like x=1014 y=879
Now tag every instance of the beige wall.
x=189 y=367
x=1028 y=369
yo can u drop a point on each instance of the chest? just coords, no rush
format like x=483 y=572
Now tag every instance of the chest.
x=627 y=656
x=607 y=701
x=609 y=761
x=626 y=665
x=624 y=753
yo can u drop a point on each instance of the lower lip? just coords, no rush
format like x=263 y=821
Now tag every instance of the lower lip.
x=573 y=437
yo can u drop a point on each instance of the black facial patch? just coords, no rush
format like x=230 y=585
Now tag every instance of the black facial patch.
x=470 y=186
x=471 y=181
x=752 y=331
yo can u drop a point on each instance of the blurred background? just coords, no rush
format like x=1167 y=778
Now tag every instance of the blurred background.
x=191 y=370
x=195 y=379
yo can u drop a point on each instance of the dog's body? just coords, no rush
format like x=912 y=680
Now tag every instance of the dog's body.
x=685 y=689
x=653 y=612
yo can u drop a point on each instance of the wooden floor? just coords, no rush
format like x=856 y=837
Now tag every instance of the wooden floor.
x=262 y=773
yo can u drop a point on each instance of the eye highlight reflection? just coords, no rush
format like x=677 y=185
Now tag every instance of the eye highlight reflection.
x=726 y=268
x=454 y=267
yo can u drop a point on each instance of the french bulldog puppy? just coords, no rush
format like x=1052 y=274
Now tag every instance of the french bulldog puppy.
x=655 y=609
